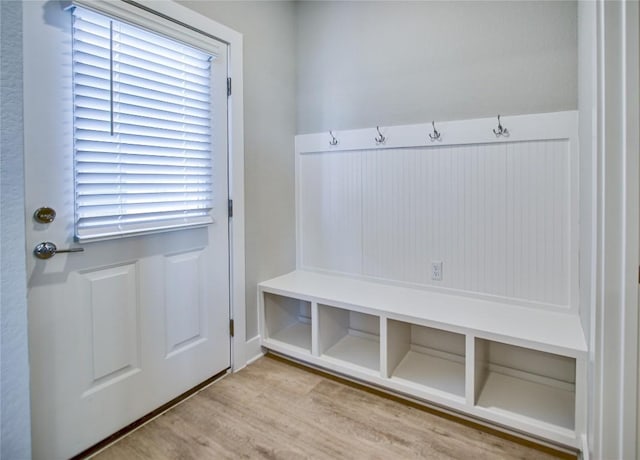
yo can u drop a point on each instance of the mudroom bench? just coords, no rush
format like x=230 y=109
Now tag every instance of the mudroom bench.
x=516 y=367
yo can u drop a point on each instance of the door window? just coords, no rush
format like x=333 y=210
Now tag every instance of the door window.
x=142 y=130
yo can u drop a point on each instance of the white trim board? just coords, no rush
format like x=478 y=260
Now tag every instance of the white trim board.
x=337 y=193
x=614 y=339
x=556 y=125
x=253 y=351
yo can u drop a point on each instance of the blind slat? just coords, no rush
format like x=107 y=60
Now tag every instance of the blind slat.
x=100 y=127
x=142 y=130
x=91 y=147
x=106 y=189
x=103 y=199
x=138 y=169
x=108 y=158
x=142 y=100
x=100 y=70
x=97 y=94
x=151 y=115
x=123 y=209
x=104 y=136
x=185 y=125
x=116 y=179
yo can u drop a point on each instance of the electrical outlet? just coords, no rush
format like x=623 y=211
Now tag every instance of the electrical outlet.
x=436 y=270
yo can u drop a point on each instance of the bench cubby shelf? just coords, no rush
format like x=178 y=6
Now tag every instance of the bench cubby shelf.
x=515 y=367
x=425 y=357
x=287 y=320
x=350 y=337
x=521 y=393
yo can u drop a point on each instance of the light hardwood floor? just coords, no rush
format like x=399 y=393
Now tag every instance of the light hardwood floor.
x=276 y=410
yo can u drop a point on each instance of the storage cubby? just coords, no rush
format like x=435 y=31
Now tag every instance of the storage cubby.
x=521 y=382
x=349 y=336
x=288 y=320
x=432 y=358
x=479 y=358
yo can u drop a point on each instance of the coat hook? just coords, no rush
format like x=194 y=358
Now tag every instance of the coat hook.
x=333 y=140
x=380 y=138
x=501 y=130
x=436 y=135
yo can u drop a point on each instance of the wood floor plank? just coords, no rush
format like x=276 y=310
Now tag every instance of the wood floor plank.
x=275 y=410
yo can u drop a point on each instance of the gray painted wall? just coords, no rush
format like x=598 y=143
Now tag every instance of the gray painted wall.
x=362 y=64
x=15 y=420
x=269 y=126
x=315 y=66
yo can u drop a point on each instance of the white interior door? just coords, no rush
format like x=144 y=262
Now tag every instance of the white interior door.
x=130 y=323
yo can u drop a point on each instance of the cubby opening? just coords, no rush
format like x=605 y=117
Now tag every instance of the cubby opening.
x=425 y=356
x=349 y=336
x=526 y=383
x=288 y=320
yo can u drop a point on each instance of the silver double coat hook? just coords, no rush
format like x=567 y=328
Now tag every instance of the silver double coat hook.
x=436 y=135
x=501 y=130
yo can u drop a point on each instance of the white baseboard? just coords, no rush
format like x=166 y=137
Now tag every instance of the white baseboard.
x=253 y=350
x=584 y=453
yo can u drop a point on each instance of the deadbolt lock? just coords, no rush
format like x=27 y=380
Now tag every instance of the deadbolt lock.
x=44 y=215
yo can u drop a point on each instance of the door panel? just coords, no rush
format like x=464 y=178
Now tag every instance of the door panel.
x=131 y=323
x=111 y=298
x=183 y=306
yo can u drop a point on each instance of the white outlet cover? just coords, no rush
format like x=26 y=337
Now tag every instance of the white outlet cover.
x=436 y=270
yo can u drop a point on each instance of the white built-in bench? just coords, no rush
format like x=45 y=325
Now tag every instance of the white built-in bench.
x=517 y=367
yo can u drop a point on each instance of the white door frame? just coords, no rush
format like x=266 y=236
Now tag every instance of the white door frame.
x=615 y=338
x=194 y=20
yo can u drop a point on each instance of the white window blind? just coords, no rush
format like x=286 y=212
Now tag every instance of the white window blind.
x=142 y=130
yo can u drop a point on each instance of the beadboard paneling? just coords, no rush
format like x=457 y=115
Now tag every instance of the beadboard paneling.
x=331 y=215
x=498 y=216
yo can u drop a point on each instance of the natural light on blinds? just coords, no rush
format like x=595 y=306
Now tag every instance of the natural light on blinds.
x=142 y=130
